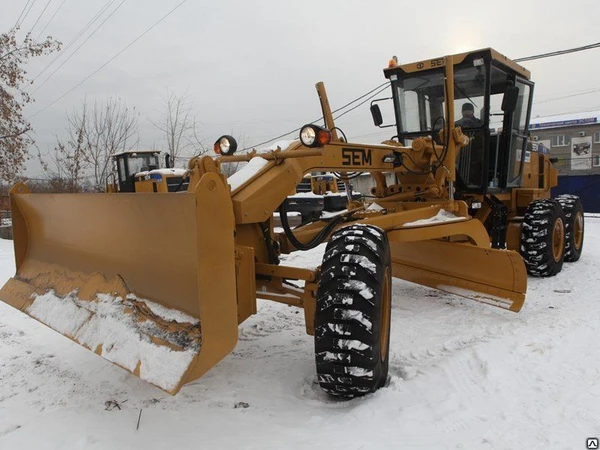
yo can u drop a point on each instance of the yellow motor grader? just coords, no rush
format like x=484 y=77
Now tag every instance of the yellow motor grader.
x=158 y=282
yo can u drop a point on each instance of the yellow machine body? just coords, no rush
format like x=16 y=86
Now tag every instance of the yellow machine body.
x=205 y=255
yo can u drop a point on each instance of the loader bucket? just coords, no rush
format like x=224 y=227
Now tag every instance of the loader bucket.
x=145 y=280
x=495 y=277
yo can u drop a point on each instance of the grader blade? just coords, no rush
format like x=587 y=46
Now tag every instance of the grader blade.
x=147 y=281
x=495 y=277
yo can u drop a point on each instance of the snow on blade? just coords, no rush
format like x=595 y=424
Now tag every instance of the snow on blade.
x=169 y=314
x=441 y=217
x=124 y=334
x=245 y=173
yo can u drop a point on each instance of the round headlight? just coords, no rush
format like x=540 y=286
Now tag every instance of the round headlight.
x=226 y=145
x=314 y=136
x=308 y=135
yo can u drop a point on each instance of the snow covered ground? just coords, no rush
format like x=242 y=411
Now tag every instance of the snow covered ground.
x=463 y=376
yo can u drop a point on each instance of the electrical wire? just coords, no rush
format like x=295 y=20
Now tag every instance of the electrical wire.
x=111 y=59
x=558 y=52
x=590 y=91
x=363 y=102
x=49 y=21
x=26 y=14
x=77 y=49
x=77 y=36
x=320 y=118
x=40 y=16
x=17 y=24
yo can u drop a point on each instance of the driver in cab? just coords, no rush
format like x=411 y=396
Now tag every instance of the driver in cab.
x=468 y=117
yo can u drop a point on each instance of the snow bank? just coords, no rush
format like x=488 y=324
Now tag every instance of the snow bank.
x=463 y=375
x=441 y=217
x=245 y=173
x=125 y=334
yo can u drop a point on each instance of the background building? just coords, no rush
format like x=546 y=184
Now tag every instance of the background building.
x=574 y=140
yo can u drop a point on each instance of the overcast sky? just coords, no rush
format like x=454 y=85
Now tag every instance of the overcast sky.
x=250 y=66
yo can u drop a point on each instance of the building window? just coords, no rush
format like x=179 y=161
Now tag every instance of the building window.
x=596 y=160
x=560 y=140
x=597 y=137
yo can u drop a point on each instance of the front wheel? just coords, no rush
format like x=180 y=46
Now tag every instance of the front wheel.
x=352 y=318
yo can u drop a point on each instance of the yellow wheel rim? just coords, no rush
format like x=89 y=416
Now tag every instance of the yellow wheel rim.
x=578 y=230
x=558 y=239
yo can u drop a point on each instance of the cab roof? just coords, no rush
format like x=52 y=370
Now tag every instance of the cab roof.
x=130 y=152
x=487 y=53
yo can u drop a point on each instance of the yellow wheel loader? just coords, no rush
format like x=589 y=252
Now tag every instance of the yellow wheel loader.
x=140 y=171
x=158 y=282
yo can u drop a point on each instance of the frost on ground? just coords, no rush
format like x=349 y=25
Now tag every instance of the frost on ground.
x=124 y=335
x=463 y=375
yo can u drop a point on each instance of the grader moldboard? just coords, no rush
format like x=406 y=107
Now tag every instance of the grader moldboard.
x=158 y=282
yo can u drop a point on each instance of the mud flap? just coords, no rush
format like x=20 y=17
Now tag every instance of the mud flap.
x=495 y=277
x=145 y=280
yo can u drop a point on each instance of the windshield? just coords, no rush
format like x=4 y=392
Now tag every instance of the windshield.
x=421 y=103
x=142 y=162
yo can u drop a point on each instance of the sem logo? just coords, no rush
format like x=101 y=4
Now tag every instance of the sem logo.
x=592 y=443
x=356 y=157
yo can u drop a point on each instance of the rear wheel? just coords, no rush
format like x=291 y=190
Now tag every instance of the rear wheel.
x=574 y=225
x=352 y=319
x=543 y=238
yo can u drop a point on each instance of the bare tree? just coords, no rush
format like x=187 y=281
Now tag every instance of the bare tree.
x=179 y=127
x=92 y=139
x=14 y=138
x=68 y=159
x=110 y=128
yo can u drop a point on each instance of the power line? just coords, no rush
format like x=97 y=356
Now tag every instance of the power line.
x=558 y=52
x=364 y=101
x=333 y=112
x=27 y=13
x=49 y=21
x=77 y=49
x=77 y=36
x=21 y=15
x=40 y=16
x=111 y=59
x=591 y=91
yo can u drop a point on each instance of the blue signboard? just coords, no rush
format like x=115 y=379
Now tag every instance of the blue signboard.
x=563 y=123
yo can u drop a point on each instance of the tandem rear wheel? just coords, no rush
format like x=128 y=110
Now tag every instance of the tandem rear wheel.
x=543 y=238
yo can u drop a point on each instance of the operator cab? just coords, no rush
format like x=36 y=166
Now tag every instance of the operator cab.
x=133 y=162
x=497 y=93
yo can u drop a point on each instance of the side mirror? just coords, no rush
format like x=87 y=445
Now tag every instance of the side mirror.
x=167 y=161
x=509 y=101
x=376 y=114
